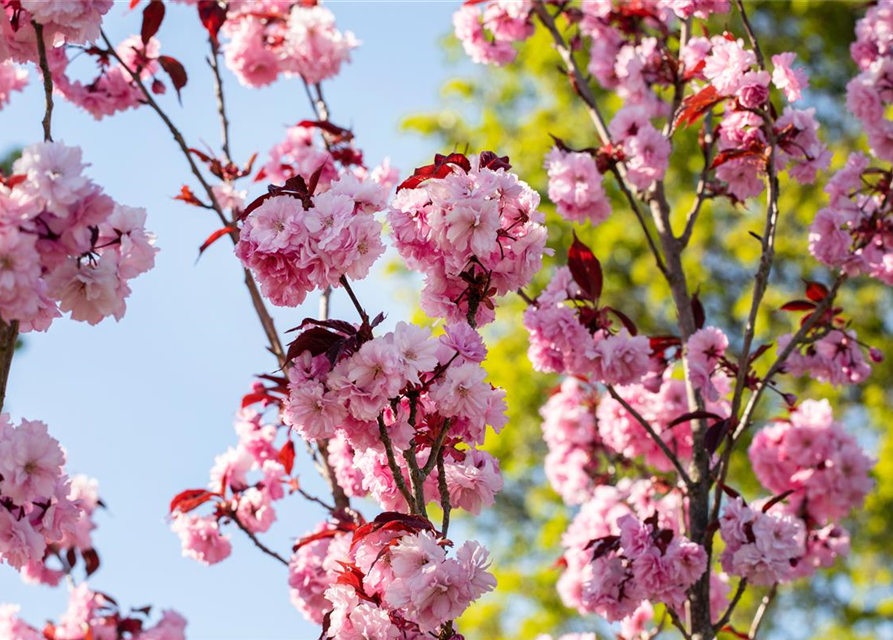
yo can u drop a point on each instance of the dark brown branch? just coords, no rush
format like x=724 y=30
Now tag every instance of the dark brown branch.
x=47 y=82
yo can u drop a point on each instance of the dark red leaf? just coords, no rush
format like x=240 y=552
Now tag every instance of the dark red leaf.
x=176 y=72
x=694 y=415
x=91 y=560
x=253 y=398
x=153 y=14
x=763 y=348
x=602 y=546
x=729 y=491
x=715 y=433
x=586 y=269
x=697 y=310
x=776 y=499
x=624 y=319
x=490 y=160
x=693 y=107
x=442 y=167
x=214 y=237
x=186 y=501
x=213 y=15
x=287 y=456
x=316 y=340
x=340 y=133
x=816 y=291
x=798 y=305
x=391 y=521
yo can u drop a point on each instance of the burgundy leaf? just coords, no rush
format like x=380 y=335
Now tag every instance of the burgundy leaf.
x=316 y=340
x=715 y=433
x=153 y=14
x=490 y=160
x=694 y=415
x=697 y=310
x=176 y=72
x=798 y=305
x=776 y=499
x=816 y=291
x=91 y=560
x=212 y=15
x=586 y=269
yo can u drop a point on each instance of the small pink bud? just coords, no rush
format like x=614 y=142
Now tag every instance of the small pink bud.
x=876 y=354
x=158 y=87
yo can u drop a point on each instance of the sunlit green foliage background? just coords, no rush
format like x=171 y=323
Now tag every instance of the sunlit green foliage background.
x=512 y=111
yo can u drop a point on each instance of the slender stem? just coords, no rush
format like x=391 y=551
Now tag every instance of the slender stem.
x=313 y=498
x=353 y=298
x=761 y=612
x=742 y=586
x=435 y=449
x=701 y=192
x=392 y=464
x=750 y=34
x=256 y=298
x=214 y=63
x=257 y=543
x=47 y=82
x=651 y=432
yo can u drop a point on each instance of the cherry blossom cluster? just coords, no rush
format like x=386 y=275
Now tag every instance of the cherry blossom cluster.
x=811 y=455
x=63 y=22
x=391 y=578
x=624 y=549
x=420 y=391
x=65 y=245
x=94 y=615
x=273 y=37
x=488 y=33
x=296 y=244
x=473 y=229
x=38 y=506
x=245 y=482
x=12 y=78
x=570 y=333
x=575 y=186
x=114 y=89
x=75 y=26
x=854 y=231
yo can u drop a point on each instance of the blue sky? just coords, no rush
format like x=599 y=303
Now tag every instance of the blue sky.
x=144 y=405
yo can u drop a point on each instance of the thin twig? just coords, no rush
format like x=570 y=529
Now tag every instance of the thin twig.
x=750 y=34
x=701 y=192
x=260 y=545
x=683 y=474
x=214 y=63
x=256 y=298
x=742 y=585
x=392 y=464
x=353 y=298
x=761 y=612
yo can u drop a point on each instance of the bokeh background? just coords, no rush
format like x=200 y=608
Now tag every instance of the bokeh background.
x=146 y=404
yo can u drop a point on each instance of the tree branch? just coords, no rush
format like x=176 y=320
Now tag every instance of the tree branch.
x=651 y=432
x=761 y=612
